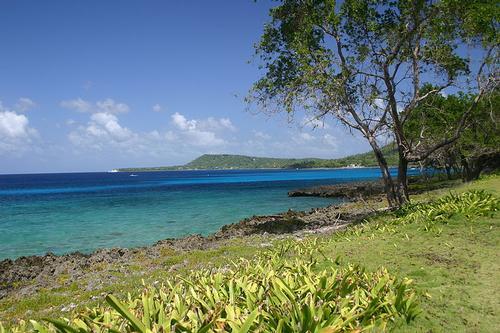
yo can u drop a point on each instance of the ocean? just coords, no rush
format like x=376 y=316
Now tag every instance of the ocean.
x=67 y=212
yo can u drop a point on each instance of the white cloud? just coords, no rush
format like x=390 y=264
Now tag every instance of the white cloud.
x=13 y=125
x=103 y=129
x=170 y=136
x=24 y=104
x=330 y=140
x=77 y=105
x=209 y=124
x=187 y=137
x=107 y=105
x=291 y=144
x=379 y=103
x=226 y=123
x=203 y=138
x=15 y=133
x=303 y=138
x=261 y=135
x=201 y=132
x=109 y=123
x=182 y=123
x=157 y=108
x=213 y=124
x=110 y=106
x=306 y=136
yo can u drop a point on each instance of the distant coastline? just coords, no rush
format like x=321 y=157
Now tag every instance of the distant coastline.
x=243 y=162
x=128 y=170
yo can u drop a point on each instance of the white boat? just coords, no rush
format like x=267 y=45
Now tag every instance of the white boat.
x=133 y=175
x=113 y=171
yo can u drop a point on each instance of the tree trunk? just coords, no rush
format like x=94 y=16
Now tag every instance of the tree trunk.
x=466 y=171
x=471 y=172
x=403 y=195
x=389 y=188
x=473 y=166
x=447 y=168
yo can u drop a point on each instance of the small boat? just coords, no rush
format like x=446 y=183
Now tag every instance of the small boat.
x=133 y=175
x=113 y=171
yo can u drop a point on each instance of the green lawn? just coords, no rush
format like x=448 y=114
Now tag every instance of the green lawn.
x=454 y=266
x=456 y=271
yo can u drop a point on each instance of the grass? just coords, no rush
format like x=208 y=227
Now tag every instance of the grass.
x=456 y=270
x=453 y=266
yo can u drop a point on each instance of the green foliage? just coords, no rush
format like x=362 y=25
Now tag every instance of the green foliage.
x=471 y=204
x=333 y=57
x=272 y=293
x=438 y=119
x=227 y=161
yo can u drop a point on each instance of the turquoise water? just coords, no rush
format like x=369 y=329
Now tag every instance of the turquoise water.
x=62 y=213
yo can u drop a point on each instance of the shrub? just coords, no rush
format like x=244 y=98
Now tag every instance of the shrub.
x=267 y=294
x=471 y=204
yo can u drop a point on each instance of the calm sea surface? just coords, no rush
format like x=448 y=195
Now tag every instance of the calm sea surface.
x=62 y=213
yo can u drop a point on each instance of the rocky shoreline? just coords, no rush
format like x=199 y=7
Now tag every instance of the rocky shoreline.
x=27 y=275
x=352 y=191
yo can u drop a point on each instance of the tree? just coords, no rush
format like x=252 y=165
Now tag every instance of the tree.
x=366 y=61
x=440 y=117
x=479 y=144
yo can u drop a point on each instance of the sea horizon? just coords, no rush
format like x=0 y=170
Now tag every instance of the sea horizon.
x=187 y=169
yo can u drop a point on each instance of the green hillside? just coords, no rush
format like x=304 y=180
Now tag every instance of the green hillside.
x=364 y=159
x=228 y=161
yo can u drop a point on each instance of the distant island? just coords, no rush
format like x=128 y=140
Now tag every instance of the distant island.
x=228 y=161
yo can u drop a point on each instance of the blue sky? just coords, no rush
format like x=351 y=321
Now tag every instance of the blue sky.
x=94 y=85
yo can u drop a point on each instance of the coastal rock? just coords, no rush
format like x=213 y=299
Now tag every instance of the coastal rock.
x=34 y=272
x=351 y=190
x=271 y=224
x=188 y=243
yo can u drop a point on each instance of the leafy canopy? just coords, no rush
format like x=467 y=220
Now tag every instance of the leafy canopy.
x=366 y=60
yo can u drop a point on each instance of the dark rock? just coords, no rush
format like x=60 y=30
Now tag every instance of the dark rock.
x=348 y=190
x=191 y=242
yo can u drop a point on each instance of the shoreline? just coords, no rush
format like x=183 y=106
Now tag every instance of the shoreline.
x=25 y=275
x=341 y=190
